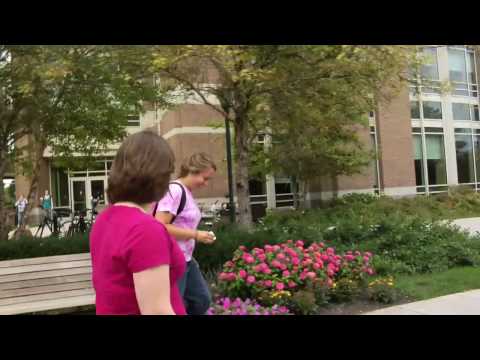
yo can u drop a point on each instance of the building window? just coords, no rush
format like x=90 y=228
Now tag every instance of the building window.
x=467 y=143
x=418 y=159
x=414 y=110
x=462 y=111
x=432 y=110
x=462 y=71
x=465 y=158
x=60 y=187
x=133 y=120
x=433 y=157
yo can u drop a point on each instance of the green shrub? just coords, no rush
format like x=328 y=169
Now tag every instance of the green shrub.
x=383 y=291
x=31 y=248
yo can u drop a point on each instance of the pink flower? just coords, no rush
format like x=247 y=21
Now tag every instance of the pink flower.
x=276 y=247
x=322 y=244
x=280 y=256
x=295 y=261
x=276 y=264
x=303 y=276
x=283 y=267
x=286 y=273
x=250 y=279
x=267 y=271
x=330 y=250
x=311 y=275
x=330 y=282
x=369 y=254
x=249 y=259
x=317 y=266
x=223 y=276
x=324 y=257
x=307 y=262
x=370 y=271
x=330 y=272
x=291 y=284
x=299 y=243
x=229 y=264
x=279 y=286
x=289 y=241
x=349 y=257
x=261 y=257
x=231 y=277
x=268 y=283
x=366 y=259
x=242 y=273
x=268 y=248
x=243 y=248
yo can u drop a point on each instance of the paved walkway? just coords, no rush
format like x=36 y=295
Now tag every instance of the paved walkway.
x=466 y=303
x=470 y=224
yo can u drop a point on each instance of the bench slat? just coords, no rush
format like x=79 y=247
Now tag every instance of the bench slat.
x=44 y=282
x=44 y=260
x=45 y=274
x=48 y=296
x=45 y=289
x=43 y=267
x=45 y=305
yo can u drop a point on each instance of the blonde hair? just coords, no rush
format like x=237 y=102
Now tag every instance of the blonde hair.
x=196 y=163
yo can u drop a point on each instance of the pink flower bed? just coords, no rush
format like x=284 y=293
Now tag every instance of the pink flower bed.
x=227 y=306
x=290 y=266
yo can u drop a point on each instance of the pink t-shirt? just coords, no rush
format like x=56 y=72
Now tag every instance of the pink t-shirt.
x=124 y=241
x=189 y=218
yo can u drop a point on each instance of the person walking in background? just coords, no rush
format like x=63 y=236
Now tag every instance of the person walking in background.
x=136 y=263
x=47 y=204
x=21 y=205
x=181 y=216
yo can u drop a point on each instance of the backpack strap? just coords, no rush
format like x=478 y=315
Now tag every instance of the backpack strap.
x=181 y=206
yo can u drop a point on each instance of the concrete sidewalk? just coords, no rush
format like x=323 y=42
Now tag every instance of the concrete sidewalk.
x=466 y=303
x=472 y=225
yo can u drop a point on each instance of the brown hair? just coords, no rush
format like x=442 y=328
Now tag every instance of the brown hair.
x=196 y=163
x=141 y=169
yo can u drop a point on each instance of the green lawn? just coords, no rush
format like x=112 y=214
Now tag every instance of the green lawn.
x=427 y=286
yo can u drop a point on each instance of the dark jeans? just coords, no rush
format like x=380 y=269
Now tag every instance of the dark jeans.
x=194 y=290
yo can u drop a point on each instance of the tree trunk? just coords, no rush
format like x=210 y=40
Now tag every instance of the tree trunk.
x=334 y=186
x=36 y=157
x=241 y=172
x=3 y=213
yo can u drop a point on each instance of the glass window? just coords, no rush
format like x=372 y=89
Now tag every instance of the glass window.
x=375 y=163
x=472 y=76
x=418 y=156
x=475 y=116
x=429 y=70
x=60 y=187
x=133 y=120
x=476 y=147
x=432 y=110
x=457 y=65
x=414 y=110
x=461 y=111
x=465 y=167
x=436 y=164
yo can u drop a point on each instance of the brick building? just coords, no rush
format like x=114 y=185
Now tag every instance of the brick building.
x=426 y=142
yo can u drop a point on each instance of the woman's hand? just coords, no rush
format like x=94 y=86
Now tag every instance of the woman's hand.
x=204 y=237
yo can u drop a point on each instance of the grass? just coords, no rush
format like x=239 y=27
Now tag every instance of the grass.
x=427 y=286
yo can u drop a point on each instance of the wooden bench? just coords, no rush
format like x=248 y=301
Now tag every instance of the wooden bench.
x=44 y=284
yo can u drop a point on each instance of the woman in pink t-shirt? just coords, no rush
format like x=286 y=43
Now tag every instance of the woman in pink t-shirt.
x=136 y=263
x=195 y=173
